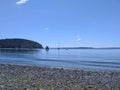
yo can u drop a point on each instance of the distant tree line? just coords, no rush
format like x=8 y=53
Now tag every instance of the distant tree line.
x=19 y=43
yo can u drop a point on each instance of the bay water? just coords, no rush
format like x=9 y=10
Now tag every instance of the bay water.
x=95 y=59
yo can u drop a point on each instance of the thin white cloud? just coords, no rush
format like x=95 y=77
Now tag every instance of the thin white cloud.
x=46 y=28
x=78 y=38
x=21 y=2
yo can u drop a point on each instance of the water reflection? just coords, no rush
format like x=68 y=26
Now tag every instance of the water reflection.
x=105 y=59
x=26 y=50
x=21 y=54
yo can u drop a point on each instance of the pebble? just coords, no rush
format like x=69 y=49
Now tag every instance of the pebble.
x=45 y=78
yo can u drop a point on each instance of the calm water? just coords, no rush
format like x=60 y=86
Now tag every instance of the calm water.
x=100 y=59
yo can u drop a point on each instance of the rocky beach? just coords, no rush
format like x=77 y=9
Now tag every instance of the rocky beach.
x=23 y=77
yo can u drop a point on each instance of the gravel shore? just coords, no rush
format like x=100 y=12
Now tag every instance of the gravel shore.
x=21 y=77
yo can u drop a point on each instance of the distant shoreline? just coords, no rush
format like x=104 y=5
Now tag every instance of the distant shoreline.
x=86 y=48
x=50 y=48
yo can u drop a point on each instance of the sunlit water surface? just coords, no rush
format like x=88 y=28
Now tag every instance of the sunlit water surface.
x=97 y=59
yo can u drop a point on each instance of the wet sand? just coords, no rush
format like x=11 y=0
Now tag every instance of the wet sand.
x=23 y=77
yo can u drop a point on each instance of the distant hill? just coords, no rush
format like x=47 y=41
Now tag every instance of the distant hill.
x=87 y=48
x=19 y=43
x=74 y=48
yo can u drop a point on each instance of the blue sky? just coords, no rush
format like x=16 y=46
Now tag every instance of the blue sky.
x=55 y=23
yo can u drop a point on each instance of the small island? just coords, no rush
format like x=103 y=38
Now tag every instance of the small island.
x=19 y=43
